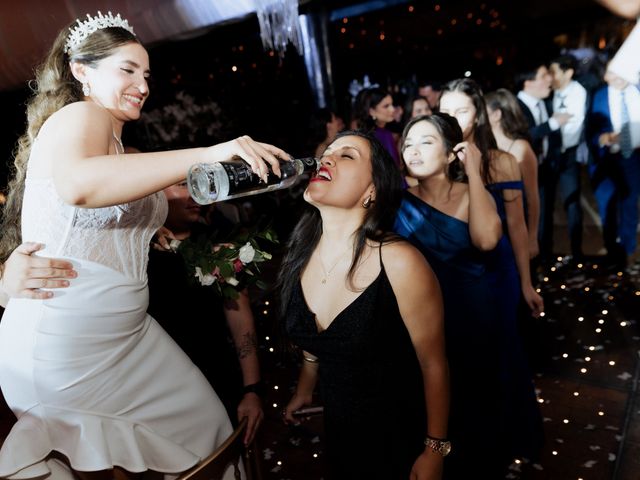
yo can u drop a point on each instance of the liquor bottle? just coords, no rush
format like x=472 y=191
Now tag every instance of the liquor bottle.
x=215 y=182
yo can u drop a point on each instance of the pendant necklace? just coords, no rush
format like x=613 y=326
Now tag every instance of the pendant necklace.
x=118 y=143
x=328 y=272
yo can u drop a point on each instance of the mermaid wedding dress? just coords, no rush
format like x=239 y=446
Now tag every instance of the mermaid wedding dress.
x=89 y=373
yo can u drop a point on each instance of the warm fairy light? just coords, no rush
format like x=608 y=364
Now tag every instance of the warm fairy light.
x=470 y=15
x=437 y=8
x=559 y=259
x=565 y=355
x=604 y=312
x=538 y=290
x=315 y=455
x=264 y=312
x=382 y=37
x=271 y=349
x=637 y=293
x=517 y=461
x=587 y=359
x=453 y=21
x=410 y=8
x=583 y=370
x=499 y=60
x=592 y=348
x=601 y=413
x=579 y=265
x=619 y=274
x=542 y=314
x=576 y=394
x=598 y=330
x=595 y=267
x=586 y=289
x=566 y=420
x=612 y=363
x=562 y=287
x=602 y=42
x=554 y=453
x=553 y=269
x=601 y=321
x=266 y=338
x=545 y=279
x=345 y=20
x=279 y=462
x=623 y=324
x=479 y=21
x=275 y=387
x=541 y=400
x=581 y=319
x=275 y=405
x=343 y=30
x=267 y=302
x=234 y=69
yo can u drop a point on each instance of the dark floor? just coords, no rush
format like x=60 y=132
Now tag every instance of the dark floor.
x=585 y=354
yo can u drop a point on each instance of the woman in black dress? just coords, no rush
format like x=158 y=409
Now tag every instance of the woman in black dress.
x=366 y=311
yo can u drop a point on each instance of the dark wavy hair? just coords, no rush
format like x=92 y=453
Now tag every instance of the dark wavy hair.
x=376 y=225
x=451 y=133
x=482 y=134
x=367 y=99
x=513 y=122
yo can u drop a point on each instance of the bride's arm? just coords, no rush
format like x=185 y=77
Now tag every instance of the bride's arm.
x=75 y=142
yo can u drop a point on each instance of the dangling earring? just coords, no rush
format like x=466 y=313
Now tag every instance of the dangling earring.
x=367 y=202
x=374 y=118
x=86 y=89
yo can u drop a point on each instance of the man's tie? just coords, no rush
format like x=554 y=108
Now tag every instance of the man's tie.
x=541 y=118
x=624 y=138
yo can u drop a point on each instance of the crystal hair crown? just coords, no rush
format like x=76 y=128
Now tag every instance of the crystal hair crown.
x=92 y=24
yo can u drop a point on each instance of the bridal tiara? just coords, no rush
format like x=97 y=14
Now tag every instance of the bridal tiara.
x=92 y=24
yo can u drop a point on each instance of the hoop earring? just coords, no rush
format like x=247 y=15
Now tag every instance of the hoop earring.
x=86 y=89
x=367 y=202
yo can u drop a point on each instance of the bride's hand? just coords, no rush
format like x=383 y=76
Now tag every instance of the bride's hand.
x=256 y=154
x=24 y=274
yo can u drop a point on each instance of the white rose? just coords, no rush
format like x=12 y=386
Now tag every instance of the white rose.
x=232 y=281
x=174 y=244
x=204 y=279
x=246 y=254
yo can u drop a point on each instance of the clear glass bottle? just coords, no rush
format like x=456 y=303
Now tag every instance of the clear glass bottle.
x=215 y=182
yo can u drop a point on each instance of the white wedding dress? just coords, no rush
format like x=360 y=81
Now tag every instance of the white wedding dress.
x=89 y=373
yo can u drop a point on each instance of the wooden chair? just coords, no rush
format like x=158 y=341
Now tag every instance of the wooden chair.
x=231 y=453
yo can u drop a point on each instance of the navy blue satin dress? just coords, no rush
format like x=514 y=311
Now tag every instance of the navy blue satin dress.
x=471 y=329
x=521 y=418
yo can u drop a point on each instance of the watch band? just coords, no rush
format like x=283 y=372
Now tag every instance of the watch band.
x=438 y=445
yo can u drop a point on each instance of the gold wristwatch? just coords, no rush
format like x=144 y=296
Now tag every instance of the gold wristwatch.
x=438 y=445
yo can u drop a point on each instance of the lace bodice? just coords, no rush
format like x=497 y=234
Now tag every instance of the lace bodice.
x=117 y=237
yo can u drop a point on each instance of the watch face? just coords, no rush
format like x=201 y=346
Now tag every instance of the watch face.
x=446 y=448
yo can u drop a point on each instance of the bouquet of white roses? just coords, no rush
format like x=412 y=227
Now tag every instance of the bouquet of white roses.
x=229 y=264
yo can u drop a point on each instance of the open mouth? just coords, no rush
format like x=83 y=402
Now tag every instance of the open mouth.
x=322 y=175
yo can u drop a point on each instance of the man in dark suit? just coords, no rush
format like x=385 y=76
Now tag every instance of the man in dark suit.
x=534 y=86
x=613 y=131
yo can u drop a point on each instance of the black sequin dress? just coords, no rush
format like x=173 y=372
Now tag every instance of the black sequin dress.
x=370 y=383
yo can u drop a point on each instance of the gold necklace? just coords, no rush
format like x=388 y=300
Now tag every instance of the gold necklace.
x=328 y=272
x=118 y=143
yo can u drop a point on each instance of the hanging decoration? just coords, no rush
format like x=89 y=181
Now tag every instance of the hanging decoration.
x=279 y=25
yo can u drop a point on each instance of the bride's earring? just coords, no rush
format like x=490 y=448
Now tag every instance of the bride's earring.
x=86 y=89
x=367 y=202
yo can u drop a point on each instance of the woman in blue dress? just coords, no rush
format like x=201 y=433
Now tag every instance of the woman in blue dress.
x=508 y=267
x=452 y=219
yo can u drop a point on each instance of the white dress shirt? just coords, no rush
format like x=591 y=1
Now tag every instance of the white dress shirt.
x=632 y=98
x=571 y=99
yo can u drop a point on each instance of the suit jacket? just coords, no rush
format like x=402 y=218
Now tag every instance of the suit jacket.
x=538 y=132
